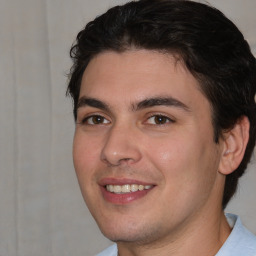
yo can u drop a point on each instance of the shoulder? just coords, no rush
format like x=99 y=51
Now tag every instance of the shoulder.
x=240 y=241
x=110 y=251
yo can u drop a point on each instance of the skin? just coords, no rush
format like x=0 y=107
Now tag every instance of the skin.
x=120 y=141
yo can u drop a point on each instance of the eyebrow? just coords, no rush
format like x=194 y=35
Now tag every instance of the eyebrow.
x=85 y=101
x=160 y=101
x=147 y=103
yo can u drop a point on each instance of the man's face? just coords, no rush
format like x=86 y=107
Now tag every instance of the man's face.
x=144 y=131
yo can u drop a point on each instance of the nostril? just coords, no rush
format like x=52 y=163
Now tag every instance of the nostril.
x=125 y=159
x=117 y=162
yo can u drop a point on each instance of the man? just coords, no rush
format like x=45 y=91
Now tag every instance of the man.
x=165 y=125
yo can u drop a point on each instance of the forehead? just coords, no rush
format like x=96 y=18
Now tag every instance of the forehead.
x=138 y=74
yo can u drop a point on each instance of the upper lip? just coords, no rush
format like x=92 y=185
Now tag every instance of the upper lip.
x=122 y=181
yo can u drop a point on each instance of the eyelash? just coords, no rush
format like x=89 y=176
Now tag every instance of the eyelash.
x=165 y=118
x=92 y=120
x=86 y=121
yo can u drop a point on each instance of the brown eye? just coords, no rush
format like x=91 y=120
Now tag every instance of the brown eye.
x=96 y=119
x=159 y=120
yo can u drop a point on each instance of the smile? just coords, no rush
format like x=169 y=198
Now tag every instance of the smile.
x=127 y=188
x=122 y=191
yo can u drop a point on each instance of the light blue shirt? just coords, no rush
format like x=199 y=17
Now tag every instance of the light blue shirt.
x=241 y=242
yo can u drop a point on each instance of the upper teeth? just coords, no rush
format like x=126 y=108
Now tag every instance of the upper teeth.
x=126 y=188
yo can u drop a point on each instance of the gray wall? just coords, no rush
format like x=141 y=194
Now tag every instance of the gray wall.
x=42 y=212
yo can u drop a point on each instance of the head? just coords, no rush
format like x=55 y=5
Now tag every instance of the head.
x=202 y=38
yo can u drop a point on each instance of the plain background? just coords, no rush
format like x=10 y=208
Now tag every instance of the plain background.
x=42 y=211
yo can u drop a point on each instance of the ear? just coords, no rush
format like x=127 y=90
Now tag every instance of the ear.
x=234 y=145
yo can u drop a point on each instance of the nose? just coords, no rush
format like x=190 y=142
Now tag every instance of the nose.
x=121 y=147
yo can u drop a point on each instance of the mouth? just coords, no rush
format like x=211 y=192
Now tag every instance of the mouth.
x=127 y=188
x=124 y=191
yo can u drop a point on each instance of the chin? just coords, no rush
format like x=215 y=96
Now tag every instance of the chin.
x=117 y=232
x=136 y=234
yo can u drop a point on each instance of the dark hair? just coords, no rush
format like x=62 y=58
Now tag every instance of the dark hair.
x=209 y=44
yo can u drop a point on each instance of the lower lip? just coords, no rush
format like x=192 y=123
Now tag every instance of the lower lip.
x=123 y=198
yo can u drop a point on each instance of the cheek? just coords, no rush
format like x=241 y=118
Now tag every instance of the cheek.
x=184 y=161
x=85 y=159
x=85 y=156
x=188 y=174
x=169 y=156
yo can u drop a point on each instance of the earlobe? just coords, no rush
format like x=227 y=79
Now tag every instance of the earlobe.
x=234 y=145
